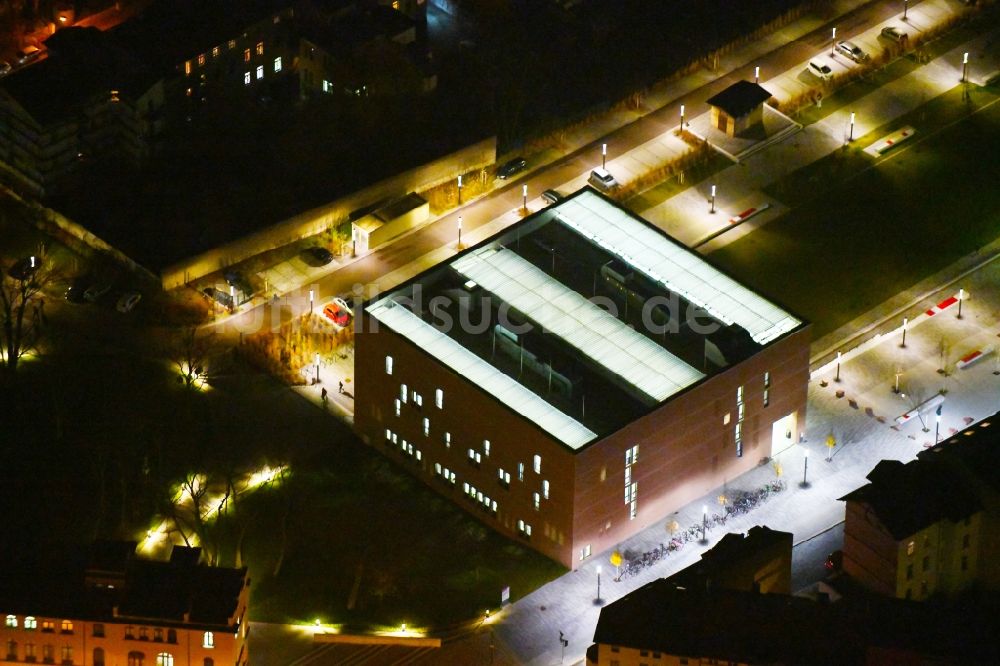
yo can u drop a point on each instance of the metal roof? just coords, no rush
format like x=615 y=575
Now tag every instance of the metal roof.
x=598 y=335
x=502 y=387
x=674 y=266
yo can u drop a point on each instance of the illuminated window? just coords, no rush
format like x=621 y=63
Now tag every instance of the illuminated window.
x=11 y=621
x=208 y=640
x=767 y=397
x=246 y=55
x=164 y=659
x=403 y=392
x=909 y=548
x=326 y=86
x=201 y=59
x=738 y=436
x=418 y=399
x=537 y=464
x=260 y=72
x=633 y=510
x=439 y=398
x=232 y=43
x=427 y=427
x=388 y=365
x=395 y=4
x=48 y=626
x=67 y=627
x=277 y=64
x=260 y=48
x=520 y=471
x=399 y=407
x=388 y=434
x=739 y=394
x=632 y=455
x=437 y=468
x=447 y=440
x=246 y=78
x=215 y=51
x=187 y=68
x=486 y=448
x=493 y=508
x=189 y=92
x=536 y=500
x=585 y=552
x=545 y=489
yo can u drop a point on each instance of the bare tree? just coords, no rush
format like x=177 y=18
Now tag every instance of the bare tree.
x=22 y=311
x=190 y=352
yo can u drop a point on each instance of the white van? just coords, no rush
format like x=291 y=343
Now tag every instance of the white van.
x=602 y=180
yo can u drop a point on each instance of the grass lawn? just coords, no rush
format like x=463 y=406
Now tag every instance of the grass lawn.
x=860 y=232
x=670 y=187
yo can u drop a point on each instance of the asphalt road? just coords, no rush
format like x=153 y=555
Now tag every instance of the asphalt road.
x=809 y=557
x=444 y=231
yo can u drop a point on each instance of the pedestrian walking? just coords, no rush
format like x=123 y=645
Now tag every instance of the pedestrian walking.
x=340 y=387
x=322 y=395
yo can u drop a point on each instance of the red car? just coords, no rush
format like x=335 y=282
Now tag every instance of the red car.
x=337 y=312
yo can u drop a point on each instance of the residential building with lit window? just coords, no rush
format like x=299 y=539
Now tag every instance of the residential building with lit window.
x=590 y=375
x=930 y=527
x=111 y=608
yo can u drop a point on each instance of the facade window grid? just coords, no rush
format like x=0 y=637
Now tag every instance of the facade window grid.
x=738 y=429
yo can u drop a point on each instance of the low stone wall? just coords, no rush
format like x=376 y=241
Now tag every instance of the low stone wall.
x=317 y=220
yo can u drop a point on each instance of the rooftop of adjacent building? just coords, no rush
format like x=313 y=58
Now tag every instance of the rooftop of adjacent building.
x=539 y=337
x=81 y=63
x=749 y=627
x=740 y=98
x=952 y=481
x=109 y=582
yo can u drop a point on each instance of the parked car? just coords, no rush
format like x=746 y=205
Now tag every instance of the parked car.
x=820 y=70
x=893 y=34
x=852 y=51
x=5 y=68
x=508 y=169
x=24 y=268
x=94 y=292
x=317 y=256
x=602 y=180
x=337 y=312
x=551 y=196
x=219 y=296
x=128 y=301
x=28 y=54
x=834 y=561
x=236 y=279
x=77 y=286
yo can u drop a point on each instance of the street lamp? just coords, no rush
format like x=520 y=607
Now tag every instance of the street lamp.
x=833 y=42
x=937 y=426
x=906 y=6
x=598 y=582
x=232 y=289
x=704 y=523
x=965 y=66
x=682 y=118
x=317 y=367
x=311 y=294
x=604 y=155
x=756 y=74
x=899 y=371
x=902 y=344
x=459 y=190
x=837 y=378
x=850 y=137
x=712 y=209
x=460 y=232
x=805 y=469
x=524 y=197
x=961 y=297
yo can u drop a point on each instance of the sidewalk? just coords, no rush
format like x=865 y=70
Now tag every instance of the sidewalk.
x=531 y=626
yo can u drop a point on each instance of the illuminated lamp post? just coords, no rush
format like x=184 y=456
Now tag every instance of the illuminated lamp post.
x=961 y=297
x=459 y=232
x=311 y=294
x=712 y=209
x=756 y=74
x=906 y=7
x=459 y=190
x=902 y=344
x=604 y=155
x=317 y=367
x=524 y=197
x=805 y=470
x=704 y=524
x=850 y=137
x=682 y=118
x=965 y=67
x=833 y=42
x=598 y=583
x=837 y=378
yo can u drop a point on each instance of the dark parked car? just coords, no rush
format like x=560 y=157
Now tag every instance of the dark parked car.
x=220 y=297
x=236 y=279
x=508 y=169
x=76 y=289
x=317 y=256
x=551 y=196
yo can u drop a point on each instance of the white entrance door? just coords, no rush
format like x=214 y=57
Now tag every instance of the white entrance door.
x=783 y=433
